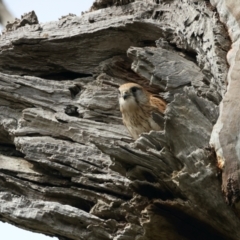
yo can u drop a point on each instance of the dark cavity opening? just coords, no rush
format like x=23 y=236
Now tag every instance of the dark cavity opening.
x=10 y=150
x=75 y=90
x=65 y=75
x=71 y=110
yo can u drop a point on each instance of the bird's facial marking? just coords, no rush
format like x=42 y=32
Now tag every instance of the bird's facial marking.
x=137 y=93
x=134 y=89
x=130 y=96
x=126 y=99
x=126 y=95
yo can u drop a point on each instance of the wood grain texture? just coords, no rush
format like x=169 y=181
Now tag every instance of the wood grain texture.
x=225 y=134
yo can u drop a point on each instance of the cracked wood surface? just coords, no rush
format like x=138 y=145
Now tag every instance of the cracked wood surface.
x=68 y=167
x=225 y=135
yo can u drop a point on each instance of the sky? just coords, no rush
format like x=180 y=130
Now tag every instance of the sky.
x=46 y=10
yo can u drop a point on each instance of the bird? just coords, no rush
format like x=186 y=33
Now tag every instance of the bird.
x=141 y=111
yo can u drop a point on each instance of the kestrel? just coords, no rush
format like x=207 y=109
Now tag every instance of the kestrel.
x=141 y=111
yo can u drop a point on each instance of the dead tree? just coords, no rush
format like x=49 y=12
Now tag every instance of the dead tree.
x=68 y=167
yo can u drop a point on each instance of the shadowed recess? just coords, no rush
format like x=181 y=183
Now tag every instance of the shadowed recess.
x=185 y=225
x=65 y=75
x=10 y=150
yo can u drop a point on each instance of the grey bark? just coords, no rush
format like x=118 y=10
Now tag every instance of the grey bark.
x=225 y=135
x=68 y=167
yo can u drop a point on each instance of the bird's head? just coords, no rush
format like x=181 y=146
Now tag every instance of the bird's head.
x=131 y=96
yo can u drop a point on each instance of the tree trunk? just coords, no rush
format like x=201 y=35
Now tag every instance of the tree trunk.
x=68 y=167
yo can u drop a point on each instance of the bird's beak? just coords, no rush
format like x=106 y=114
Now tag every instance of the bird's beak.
x=125 y=95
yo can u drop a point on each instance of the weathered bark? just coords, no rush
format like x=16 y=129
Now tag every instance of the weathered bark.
x=68 y=167
x=225 y=136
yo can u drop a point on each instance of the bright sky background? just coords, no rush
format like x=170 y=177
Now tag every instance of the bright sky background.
x=46 y=10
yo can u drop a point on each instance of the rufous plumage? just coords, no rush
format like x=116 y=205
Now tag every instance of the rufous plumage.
x=140 y=109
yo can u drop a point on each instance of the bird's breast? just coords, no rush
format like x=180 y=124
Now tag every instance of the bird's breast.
x=139 y=122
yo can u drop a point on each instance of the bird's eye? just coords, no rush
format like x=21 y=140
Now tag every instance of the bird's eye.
x=134 y=89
